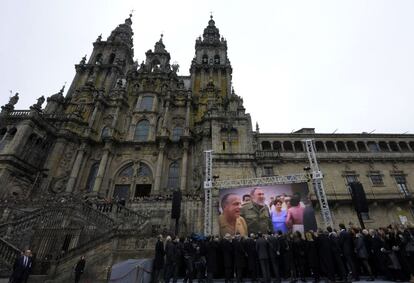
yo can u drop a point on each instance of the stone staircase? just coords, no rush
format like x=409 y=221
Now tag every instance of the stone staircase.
x=103 y=222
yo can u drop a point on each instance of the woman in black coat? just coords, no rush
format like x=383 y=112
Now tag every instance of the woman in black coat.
x=298 y=245
x=212 y=247
x=79 y=268
x=228 y=254
x=240 y=257
x=312 y=256
x=325 y=255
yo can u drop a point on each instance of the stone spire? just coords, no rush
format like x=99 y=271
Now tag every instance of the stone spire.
x=159 y=46
x=211 y=33
x=123 y=33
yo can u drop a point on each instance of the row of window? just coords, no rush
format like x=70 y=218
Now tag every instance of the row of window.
x=99 y=59
x=142 y=130
x=143 y=170
x=206 y=60
x=376 y=179
x=341 y=146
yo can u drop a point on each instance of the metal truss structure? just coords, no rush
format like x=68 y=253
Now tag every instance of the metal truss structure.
x=288 y=179
x=317 y=182
x=316 y=176
x=208 y=185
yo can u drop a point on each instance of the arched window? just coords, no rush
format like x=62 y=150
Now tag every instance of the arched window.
x=277 y=145
x=127 y=172
x=105 y=132
x=111 y=58
x=287 y=145
x=144 y=170
x=341 y=146
x=216 y=59
x=403 y=146
x=319 y=146
x=394 y=146
x=330 y=146
x=146 y=103
x=383 y=146
x=351 y=146
x=98 y=60
x=92 y=176
x=373 y=146
x=266 y=145
x=205 y=59
x=177 y=133
x=12 y=131
x=298 y=146
x=173 y=176
x=2 y=132
x=361 y=146
x=142 y=131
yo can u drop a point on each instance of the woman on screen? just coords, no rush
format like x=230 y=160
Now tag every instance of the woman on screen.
x=279 y=217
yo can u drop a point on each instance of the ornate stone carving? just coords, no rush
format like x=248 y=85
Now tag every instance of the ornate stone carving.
x=58 y=184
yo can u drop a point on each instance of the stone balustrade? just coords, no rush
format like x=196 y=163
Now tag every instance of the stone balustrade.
x=8 y=252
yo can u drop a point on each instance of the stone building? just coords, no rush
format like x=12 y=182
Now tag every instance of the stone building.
x=134 y=133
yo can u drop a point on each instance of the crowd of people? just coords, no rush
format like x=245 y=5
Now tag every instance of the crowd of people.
x=343 y=255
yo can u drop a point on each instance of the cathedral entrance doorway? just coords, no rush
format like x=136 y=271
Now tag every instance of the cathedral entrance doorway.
x=142 y=190
x=133 y=180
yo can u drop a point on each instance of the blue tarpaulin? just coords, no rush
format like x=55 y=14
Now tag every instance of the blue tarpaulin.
x=132 y=271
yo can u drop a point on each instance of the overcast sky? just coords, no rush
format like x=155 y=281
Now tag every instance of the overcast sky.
x=330 y=65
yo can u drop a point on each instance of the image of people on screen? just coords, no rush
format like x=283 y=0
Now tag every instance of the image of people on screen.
x=294 y=219
x=256 y=213
x=278 y=215
x=230 y=221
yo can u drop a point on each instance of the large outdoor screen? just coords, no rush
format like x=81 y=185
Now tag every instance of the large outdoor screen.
x=264 y=209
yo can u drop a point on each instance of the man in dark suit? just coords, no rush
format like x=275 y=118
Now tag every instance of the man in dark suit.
x=227 y=248
x=158 y=264
x=263 y=256
x=347 y=246
x=79 y=268
x=22 y=267
x=274 y=253
x=240 y=257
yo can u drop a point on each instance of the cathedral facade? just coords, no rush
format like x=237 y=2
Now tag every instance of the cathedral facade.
x=135 y=133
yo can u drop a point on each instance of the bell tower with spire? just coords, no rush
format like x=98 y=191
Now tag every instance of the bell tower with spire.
x=218 y=113
x=210 y=70
x=110 y=60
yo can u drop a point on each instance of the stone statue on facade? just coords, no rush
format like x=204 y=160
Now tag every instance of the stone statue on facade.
x=12 y=101
x=83 y=61
x=38 y=105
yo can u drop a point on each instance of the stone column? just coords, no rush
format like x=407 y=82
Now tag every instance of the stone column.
x=115 y=120
x=138 y=102
x=158 y=170
x=219 y=82
x=228 y=77
x=187 y=115
x=16 y=145
x=76 y=168
x=93 y=116
x=56 y=153
x=183 y=180
x=164 y=122
x=102 y=168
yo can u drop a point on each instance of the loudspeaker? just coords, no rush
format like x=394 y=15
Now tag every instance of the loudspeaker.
x=176 y=205
x=358 y=197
